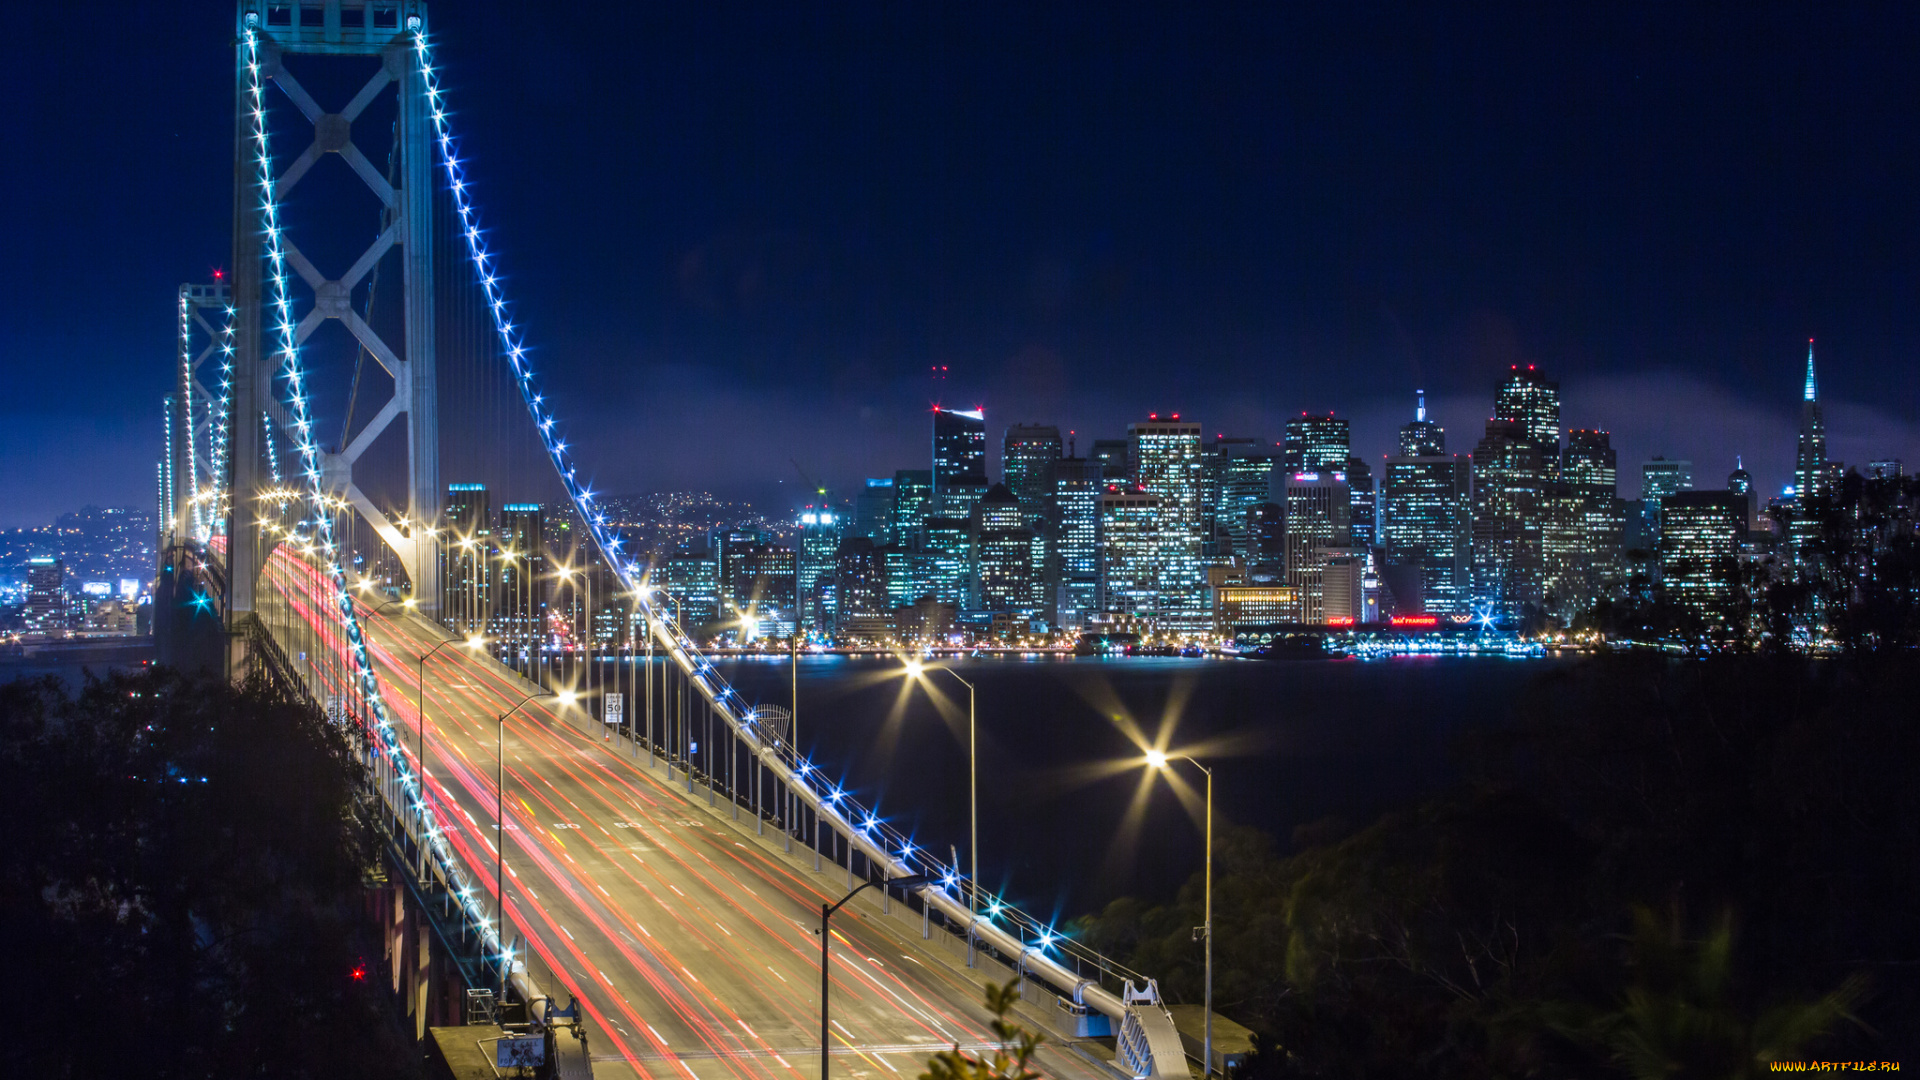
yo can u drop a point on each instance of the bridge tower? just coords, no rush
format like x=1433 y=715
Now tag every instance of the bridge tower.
x=193 y=473
x=382 y=30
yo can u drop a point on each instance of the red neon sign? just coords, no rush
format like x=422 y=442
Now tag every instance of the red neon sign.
x=1416 y=620
x=1339 y=620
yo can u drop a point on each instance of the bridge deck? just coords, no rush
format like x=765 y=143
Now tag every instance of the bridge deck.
x=690 y=944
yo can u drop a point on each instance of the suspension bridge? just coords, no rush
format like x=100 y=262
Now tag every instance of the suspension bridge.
x=628 y=835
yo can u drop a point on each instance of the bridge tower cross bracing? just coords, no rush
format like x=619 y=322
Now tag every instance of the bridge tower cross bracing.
x=194 y=476
x=382 y=30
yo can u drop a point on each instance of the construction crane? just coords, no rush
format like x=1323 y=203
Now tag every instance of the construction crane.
x=817 y=489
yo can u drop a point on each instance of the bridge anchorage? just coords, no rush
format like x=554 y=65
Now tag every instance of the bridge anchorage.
x=537 y=846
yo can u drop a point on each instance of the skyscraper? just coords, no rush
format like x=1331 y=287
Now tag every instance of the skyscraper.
x=1810 y=460
x=1006 y=555
x=860 y=574
x=1315 y=444
x=1700 y=535
x=1167 y=465
x=1582 y=543
x=1659 y=478
x=912 y=504
x=873 y=510
x=1077 y=485
x=1510 y=477
x=1239 y=476
x=1360 y=489
x=1319 y=520
x=523 y=574
x=1424 y=515
x=1130 y=560
x=1116 y=464
x=946 y=560
x=1027 y=460
x=1532 y=401
x=820 y=533
x=465 y=569
x=959 y=460
x=1740 y=482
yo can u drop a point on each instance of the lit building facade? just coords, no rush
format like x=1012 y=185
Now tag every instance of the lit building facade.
x=1532 y=401
x=1365 y=512
x=873 y=510
x=1700 y=536
x=1510 y=479
x=521 y=615
x=946 y=560
x=1810 y=454
x=693 y=579
x=820 y=533
x=1028 y=458
x=863 y=611
x=1584 y=531
x=1167 y=464
x=1077 y=484
x=1007 y=556
x=912 y=504
x=1130 y=556
x=959 y=460
x=1317 y=444
x=1319 y=523
x=465 y=566
x=1424 y=522
x=1239 y=476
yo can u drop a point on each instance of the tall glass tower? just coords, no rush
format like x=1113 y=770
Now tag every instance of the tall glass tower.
x=1077 y=484
x=1424 y=521
x=1810 y=463
x=1531 y=400
x=1315 y=444
x=1027 y=461
x=1167 y=465
x=959 y=460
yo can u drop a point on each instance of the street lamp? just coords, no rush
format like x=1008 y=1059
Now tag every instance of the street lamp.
x=1160 y=762
x=826 y=914
x=500 y=828
x=916 y=670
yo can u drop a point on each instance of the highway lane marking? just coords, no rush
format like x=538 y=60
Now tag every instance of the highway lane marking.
x=567 y=932
x=709 y=862
x=776 y=974
x=657 y=1035
x=723 y=929
x=689 y=972
x=644 y=930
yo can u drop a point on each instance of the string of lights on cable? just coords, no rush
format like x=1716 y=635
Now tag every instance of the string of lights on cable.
x=320 y=520
x=682 y=649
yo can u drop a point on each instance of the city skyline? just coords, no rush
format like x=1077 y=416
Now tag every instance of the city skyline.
x=1070 y=247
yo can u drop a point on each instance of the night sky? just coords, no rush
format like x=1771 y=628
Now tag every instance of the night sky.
x=740 y=234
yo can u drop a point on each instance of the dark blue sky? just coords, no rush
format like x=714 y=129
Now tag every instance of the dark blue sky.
x=742 y=233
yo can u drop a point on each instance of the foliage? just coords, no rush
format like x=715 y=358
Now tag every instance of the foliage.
x=1012 y=1059
x=1492 y=931
x=1678 y=1016
x=183 y=884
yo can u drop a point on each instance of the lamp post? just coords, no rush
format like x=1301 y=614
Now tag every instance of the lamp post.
x=826 y=914
x=915 y=669
x=500 y=827
x=1160 y=761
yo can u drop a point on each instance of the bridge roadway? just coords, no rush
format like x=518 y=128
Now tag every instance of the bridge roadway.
x=691 y=946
